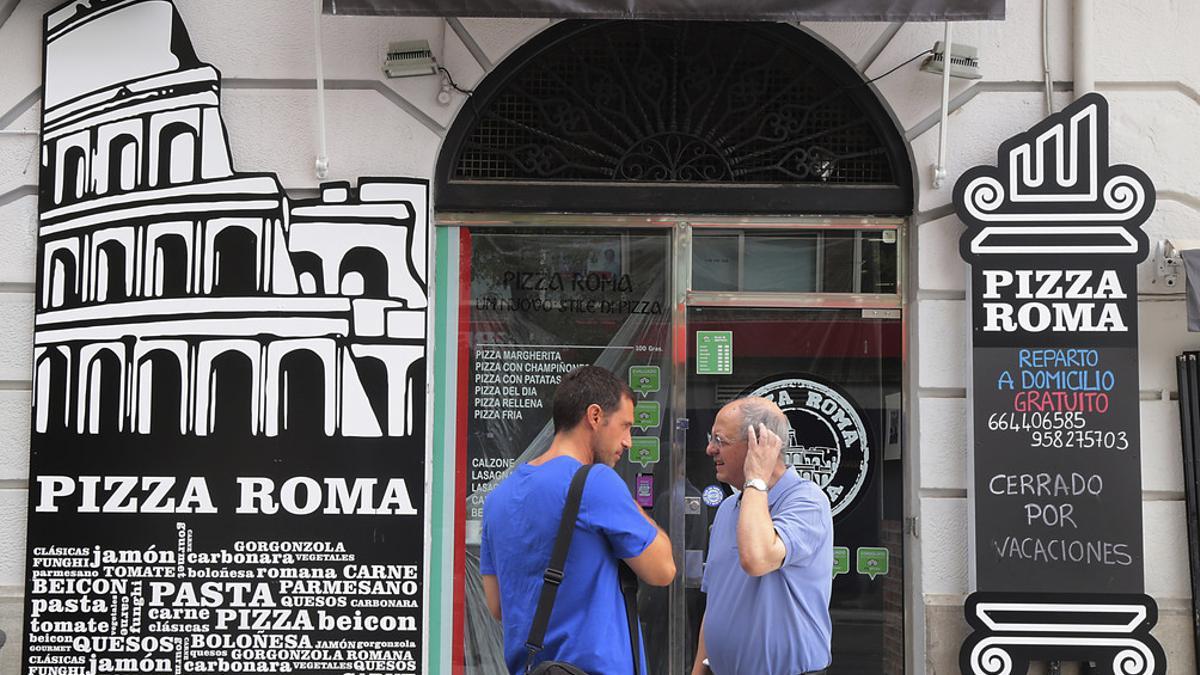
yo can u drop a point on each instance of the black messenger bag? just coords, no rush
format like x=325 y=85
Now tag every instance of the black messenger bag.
x=554 y=576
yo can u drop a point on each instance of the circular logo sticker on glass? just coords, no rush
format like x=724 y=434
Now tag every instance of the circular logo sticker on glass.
x=828 y=441
x=713 y=495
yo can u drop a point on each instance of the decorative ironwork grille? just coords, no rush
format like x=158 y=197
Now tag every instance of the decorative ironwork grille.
x=686 y=102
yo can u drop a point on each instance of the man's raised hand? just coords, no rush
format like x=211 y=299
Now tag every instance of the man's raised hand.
x=763 y=453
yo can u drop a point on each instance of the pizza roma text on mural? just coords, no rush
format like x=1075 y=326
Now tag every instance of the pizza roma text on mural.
x=298 y=495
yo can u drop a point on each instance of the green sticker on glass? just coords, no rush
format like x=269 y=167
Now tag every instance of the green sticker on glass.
x=647 y=415
x=714 y=352
x=872 y=562
x=644 y=379
x=644 y=450
x=841 y=560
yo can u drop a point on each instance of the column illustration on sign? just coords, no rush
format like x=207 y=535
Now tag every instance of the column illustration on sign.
x=1053 y=239
x=228 y=404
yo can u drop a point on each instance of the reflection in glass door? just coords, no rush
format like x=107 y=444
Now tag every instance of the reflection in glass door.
x=536 y=304
x=837 y=376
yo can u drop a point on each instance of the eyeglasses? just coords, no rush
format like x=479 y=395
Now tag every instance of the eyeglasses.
x=719 y=440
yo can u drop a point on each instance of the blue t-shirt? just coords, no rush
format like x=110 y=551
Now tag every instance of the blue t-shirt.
x=787 y=610
x=588 y=626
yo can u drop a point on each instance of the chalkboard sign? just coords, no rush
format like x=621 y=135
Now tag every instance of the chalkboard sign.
x=228 y=425
x=1053 y=239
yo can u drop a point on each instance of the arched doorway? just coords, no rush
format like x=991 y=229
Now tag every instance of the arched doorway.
x=171 y=266
x=230 y=395
x=62 y=280
x=104 y=393
x=161 y=372
x=364 y=272
x=123 y=169
x=53 y=393
x=110 y=275
x=309 y=272
x=633 y=129
x=74 y=175
x=236 y=262
x=301 y=393
x=177 y=158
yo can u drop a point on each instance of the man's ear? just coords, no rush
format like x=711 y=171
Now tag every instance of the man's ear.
x=594 y=415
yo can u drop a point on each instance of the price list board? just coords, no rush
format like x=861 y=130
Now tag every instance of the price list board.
x=512 y=389
x=586 y=299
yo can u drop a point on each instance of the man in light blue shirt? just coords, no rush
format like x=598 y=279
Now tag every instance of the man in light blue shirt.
x=769 y=572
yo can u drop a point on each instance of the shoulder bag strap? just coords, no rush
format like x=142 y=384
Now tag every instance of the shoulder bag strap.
x=629 y=589
x=554 y=572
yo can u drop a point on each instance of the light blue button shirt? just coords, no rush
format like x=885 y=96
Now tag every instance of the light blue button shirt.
x=776 y=624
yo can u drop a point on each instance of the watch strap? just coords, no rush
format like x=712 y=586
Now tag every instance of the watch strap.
x=755 y=483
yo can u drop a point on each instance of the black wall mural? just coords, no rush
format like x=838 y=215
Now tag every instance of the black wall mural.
x=1053 y=239
x=228 y=450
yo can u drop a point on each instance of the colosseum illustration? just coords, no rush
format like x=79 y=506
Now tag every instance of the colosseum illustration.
x=179 y=296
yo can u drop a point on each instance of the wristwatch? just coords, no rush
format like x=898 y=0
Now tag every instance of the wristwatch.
x=756 y=483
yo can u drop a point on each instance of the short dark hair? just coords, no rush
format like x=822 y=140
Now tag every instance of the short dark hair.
x=582 y=387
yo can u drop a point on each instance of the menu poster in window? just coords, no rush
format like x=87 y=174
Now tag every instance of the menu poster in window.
x=538 y=305
x=228 y=456
x=1053 y=239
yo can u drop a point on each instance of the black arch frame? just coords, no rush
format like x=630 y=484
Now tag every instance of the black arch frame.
x=895 y=199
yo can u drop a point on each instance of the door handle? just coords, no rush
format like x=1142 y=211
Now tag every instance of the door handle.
x=693 y=568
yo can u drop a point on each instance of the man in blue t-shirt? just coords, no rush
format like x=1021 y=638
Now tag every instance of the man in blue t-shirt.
x=593 y=417
x=769 y=572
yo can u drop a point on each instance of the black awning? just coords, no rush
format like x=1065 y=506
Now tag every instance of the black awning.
x=712 y=10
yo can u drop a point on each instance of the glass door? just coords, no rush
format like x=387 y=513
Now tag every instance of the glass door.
x=537 y=302
x=836 y=374
x=811 y=320
x=693 y=315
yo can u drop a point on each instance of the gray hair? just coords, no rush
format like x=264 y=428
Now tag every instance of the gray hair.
x=763 y=411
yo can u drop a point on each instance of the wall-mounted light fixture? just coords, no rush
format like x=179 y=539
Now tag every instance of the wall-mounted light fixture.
x=410 y=58
x=964 y=61
x=1168 y=261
